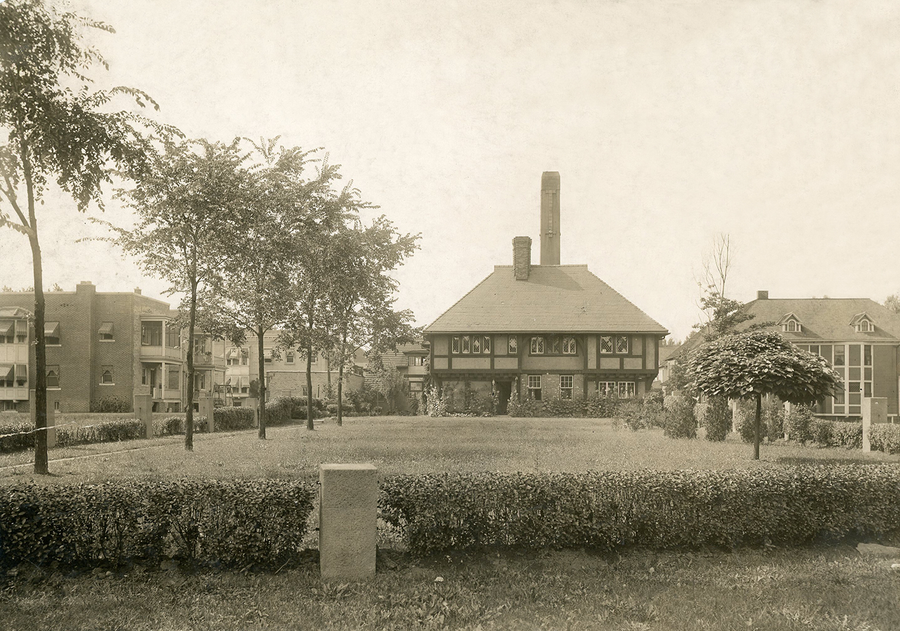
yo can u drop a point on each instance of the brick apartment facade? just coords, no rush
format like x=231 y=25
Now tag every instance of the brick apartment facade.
x=103 y=345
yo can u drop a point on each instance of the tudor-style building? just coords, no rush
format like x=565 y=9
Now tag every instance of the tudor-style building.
x=544 y=331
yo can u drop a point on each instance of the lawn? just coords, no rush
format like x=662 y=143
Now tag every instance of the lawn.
x=416 y=445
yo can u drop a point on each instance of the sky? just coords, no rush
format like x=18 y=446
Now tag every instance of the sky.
x=670 y=122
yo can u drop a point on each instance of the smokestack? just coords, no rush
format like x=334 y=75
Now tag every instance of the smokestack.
x=522 y=257
x=550 y=218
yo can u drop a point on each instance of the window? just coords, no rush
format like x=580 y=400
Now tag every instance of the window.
x=621 y=344
x=106 y=375
x=606 y=344
x=52 y=376
x=51 y=333
x=174 y=379
x=569 y=347
x=606 y=388
x=537 y=345
x=865 y=326
x=267 y=355
x=867 y=355
x=476 y=344
x=512 y=345
x=566 y=385
x=555 y=345
x=173 y=337
x=200 y=381
x=486 y=345
x=21 y=331
x=416 y=360
x=626 y=389
x=7 y=329
x=151 y=333
x=21 y=374
x=454 y=346
x=839 y=355
x=289 y=357
x=106 y=332
x=7 y=374
x=534 y=387
x=466 y=344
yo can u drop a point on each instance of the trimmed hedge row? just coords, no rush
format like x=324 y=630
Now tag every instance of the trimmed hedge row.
x=16 y=435
x=105 y=432
x=592 y=407
x=231 y=419
x=657 y=509
x=209 y=523
x=885 y=437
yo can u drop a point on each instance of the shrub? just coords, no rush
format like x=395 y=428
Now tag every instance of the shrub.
x=16 y=435
x=231 y=419
x=797 y=424
x=529 y=408
x=773 y=417
x=562 y=408
x=175 y=425
x=207 y=522
x=679 y=418
x=105 y=432
x=655 y=509
x=631 y=413
x=436 y=403
x=885 y=437
x=745 y=420
x=718 y=419
x=845 y=434
x=115 y=405
x=597 y=406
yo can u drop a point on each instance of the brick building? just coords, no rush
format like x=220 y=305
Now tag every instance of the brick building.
x=104 y=346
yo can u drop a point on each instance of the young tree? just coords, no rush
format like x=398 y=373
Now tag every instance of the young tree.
x=751 y=365
x=54 y=131
x=359 y=297
x=892 y=302
x=189 y=194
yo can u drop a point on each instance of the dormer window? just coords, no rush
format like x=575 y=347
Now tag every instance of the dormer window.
x=862 y=323
x=865 y=326
x=791 y=324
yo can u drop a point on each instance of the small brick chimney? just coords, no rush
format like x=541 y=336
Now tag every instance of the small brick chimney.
x=137 y=290
x=522 y=257
x=762 y=295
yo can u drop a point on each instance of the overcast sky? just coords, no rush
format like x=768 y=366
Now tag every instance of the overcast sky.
x=669 y=122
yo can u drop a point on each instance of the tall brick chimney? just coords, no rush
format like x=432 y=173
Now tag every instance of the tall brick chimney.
x=522 y=257
x=550 y=218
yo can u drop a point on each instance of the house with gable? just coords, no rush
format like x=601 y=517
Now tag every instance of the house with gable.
x=544 y=331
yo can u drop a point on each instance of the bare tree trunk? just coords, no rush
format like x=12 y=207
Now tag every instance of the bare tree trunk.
x=756 y=427
x=262 y=383
x=41 y=458
x=189 y=418
x=340 y=386
x=309 y=395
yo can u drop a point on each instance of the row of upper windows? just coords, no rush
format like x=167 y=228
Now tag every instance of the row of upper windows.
x=842 y=354
x=861 y=323
x=539 y=345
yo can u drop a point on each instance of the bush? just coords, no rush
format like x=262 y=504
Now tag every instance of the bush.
x=208 y=523
x=105 y=432
x=655 y=509
x=529 y=408
x=745 y=420
x=798 y=424
x=773 y=417
x=231 y=419
x=105 y=405
x=679 y=418
x=885 y=437
x=16 y=435
x=436 y=404
x=718 y=419
x=174 y=425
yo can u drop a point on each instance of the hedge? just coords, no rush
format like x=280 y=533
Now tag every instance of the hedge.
x=656 y=509
x=175 y=425
x=592 y=407
x=885 y=437
x=105 y=432
x=207 y=523
x=16 y=435
x=231 y=419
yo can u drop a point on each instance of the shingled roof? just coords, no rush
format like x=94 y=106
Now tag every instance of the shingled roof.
x=563 y=298
x=827 y=319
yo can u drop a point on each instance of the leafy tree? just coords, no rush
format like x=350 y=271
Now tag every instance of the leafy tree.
x=359 y=297
x=751 y=365
x=188 y=195
x=56 y=128
x=892 y=302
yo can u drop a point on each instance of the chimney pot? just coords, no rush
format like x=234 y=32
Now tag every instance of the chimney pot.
x=762 y=295
x=522 y=257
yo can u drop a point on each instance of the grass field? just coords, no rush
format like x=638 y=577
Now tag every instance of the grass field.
x=829 y=588
x=415 y=445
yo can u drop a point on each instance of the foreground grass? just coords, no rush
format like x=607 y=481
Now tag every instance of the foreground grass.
x=416 y=445
x=823 y=589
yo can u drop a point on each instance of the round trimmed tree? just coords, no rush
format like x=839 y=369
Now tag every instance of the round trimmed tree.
x=750 y=365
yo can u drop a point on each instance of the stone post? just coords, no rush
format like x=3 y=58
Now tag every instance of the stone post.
x=205 y=408
x=347 y=514
x=874 y=410
x=252 y=402
x=143 y=411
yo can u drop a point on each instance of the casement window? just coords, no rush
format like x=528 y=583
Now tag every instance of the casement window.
x=626 y=390
x=537 y=345
x=486 y=345
x=566 y=386
x=106 y=332
x=606 y=388
x=569 y=347
x=51 y=334
x=466 y=344
x=52 y=376
x=454 y=345
x=555 y=345
x=476 y=344
x=534 y=387
x=606 y=344
x=622 y=344
x=512 y=345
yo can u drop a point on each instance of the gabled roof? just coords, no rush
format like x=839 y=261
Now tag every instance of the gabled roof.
x=788 y=317
x=563 y=298
x=14 y=312
x=828 y=319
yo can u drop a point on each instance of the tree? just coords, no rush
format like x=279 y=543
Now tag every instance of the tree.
x=188 y=195
x=750 y=365
x=56 y=128
x=359 y=297
x=892 y=302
